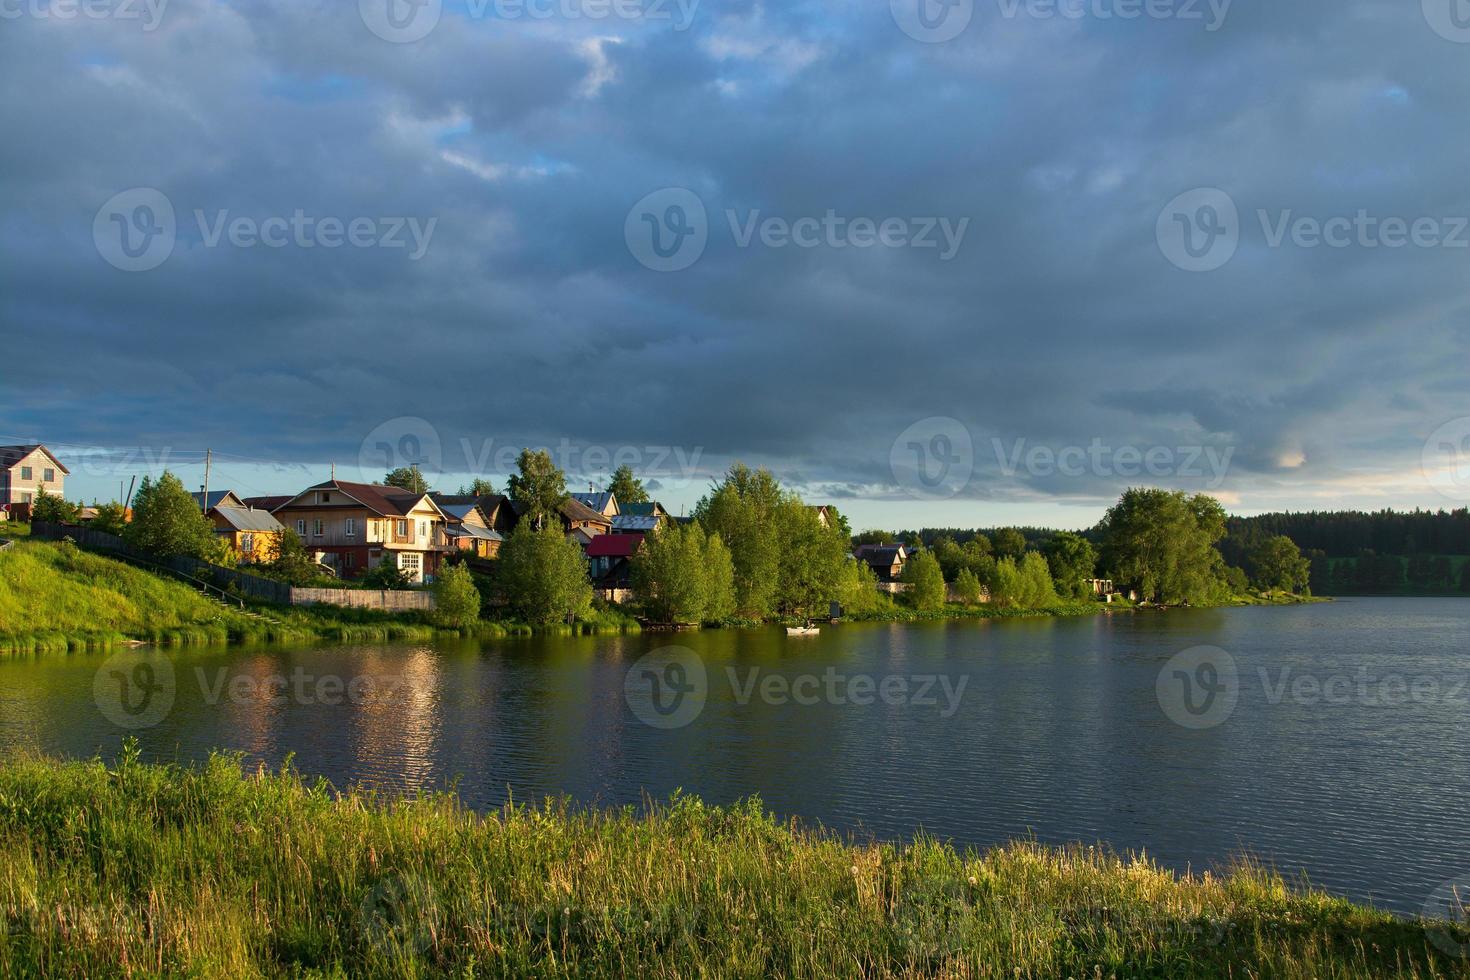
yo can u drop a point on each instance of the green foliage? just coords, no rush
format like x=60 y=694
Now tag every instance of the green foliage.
x=539 y=489
x=741 y=510
x=1026 y=584
x=1237 y=580
x=456 y=600
x=167 y=521
x=1162 y=542
x=682 y=576
x=1280 y=565
x=857 y=591
x=479 y=487
x=811 y=559
x=1009 y=543
x=53 y=509
x=872 y=537
x=626 y=487
x=272 y=874
x=407 y=478
x=967 y=587
x=387 y=575
x=1072 y=561
x=292 y=563
x=543 y=575
x=112 y=518
x=925 y=581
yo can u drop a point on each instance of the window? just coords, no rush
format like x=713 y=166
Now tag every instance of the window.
x=423 y=529
x=247 y=543
x=301 y=527
x=351 y=559
x=317 y=528
x=324 y=497
x=403 y=529
x=349 y=527
x=410 y=564
x=49 y=476
x=25 y=473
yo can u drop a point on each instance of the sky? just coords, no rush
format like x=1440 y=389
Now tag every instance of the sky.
x=938 y=262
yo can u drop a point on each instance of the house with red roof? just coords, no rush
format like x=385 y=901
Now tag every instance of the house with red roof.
x=609 y=563
x=352 y=527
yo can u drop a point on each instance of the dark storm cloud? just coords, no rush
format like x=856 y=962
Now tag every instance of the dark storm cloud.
x=1058 y=322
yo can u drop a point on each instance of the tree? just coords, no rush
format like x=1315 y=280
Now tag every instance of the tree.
x=1280 y=565
x=925 y=580
x=1072 y=560
x=1037 y=589
x=539 y=489
x=112 y=518
x=857 y=590
x=456 y=600
x=167 y=520
x=1009 y=543
x=1162 y=542
x=544 y=575
x=407 y=478
x=839 y=523
x=479 y=487
x=741 y=510
x=54 y=509
x=292 y=563
x=872 y=537
x=967 y=585
x=683 y=576
x=387 y=575
x=952 y=558
x=626 y=487
x=810 y=559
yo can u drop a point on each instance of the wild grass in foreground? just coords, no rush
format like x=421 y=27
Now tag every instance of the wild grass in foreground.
x=143 y=870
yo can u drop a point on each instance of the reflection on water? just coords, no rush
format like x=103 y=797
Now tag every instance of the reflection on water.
x=1048 y=728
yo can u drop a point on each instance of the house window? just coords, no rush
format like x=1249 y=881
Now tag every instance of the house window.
x=317 y=528
x=351 y=559
x=301 y=527
x=403 y=529
x=25 y=472
x=410 y=564
x=325 y=498
x=349 y=527
x=49 y=476
x=423 y=529
x=247 y=543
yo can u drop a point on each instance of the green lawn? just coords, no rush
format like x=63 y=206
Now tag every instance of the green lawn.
x=209 y=872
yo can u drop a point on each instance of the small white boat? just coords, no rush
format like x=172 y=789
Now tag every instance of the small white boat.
x=803 y=630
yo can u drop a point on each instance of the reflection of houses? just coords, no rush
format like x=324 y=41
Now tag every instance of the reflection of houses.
x=251 y=531
x=353 y=526
x=602 y=501
x=609 y=562
x=886 y=560
x=25 y=471
x=468 y=528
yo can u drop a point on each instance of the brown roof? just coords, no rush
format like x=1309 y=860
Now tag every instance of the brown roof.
x=10 y=455
x=268 y=503
x=381 y=500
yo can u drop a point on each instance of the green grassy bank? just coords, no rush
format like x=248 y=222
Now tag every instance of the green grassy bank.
x=162 y=871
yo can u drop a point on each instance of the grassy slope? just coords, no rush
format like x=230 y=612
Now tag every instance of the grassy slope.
x=207 y=872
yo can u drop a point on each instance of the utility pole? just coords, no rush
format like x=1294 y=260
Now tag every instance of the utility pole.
x=208 y=458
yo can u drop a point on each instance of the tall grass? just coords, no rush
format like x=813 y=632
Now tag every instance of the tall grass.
x=142 y=871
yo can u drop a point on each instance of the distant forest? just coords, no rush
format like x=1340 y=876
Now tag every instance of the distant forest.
x=1352 y=552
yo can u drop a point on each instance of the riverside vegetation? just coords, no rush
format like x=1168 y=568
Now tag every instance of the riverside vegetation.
x=140 y=870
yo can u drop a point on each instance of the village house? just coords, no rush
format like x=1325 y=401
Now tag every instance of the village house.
x=352 y=527
x=609 y=563
x=579 y=521
x=640 y=518
x=602 y=501
x=253 y=532
x=24 y=472
x=886 y=560
x=468 y=527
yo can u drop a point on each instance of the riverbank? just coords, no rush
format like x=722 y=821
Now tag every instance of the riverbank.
x=208 y=871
